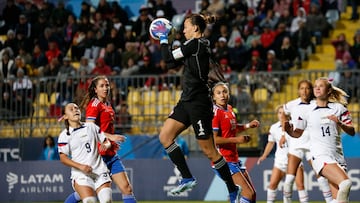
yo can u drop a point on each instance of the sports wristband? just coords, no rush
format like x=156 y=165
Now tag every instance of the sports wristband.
x=247 y=125
x=164 y=39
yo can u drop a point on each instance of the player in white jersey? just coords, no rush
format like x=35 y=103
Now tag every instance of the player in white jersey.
x=78 y=149
x=281 y=159
x=324 y=119
x=299 y=147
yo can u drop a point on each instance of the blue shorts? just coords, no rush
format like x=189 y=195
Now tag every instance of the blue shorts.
x=235 y=167
x=114 y=164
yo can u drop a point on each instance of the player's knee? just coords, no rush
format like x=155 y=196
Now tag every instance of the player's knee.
x=89 y=200
x=105 y=195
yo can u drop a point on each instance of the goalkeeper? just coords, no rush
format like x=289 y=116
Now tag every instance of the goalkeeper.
x=195 y=105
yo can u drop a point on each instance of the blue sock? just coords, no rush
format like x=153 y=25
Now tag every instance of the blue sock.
x=73 y=198
x=129 y=199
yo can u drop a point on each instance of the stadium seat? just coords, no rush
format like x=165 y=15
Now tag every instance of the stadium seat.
x=53 y=97
x=149 y=97
x=134 y=97
x=42 y=100
x=165 y=97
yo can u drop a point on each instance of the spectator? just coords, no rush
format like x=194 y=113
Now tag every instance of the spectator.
x=272 y=82
x=255 y=35
x=26 y=56
x=287 y=54
x=69 y=30
x=238 y=55
x=355 y=48
x=64 y=81
x=85 y=10
x=142 y=24
x=22 y=89
x=341 y=46
x=267 y=37
x=222 y=50
x=348 y=83
x=120 y=13
x=50 y=151
x=256 y=64
x=124 y=119
x=101 y=68
x=112 y=58
x=59 y=15
x=23 y=26
x=235 y=7
x=281 y=33
x=243 y=103
x=51 y=71
x=53 y=52
x=302 y=41
x=20 y=64
x=226 y=69
x=38 y=60
x=317 y=24
x=301 y=16
x=11 y=14
x=286 y=19
x=38 y=27
x=130 y=52
x=85 y=65
x=270 y=20
x=11 y=42
x=6 y=66
x=215 y=7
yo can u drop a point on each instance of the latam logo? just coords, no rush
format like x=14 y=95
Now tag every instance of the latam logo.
x=12 y=179
x=173 y=182
x=35 y=183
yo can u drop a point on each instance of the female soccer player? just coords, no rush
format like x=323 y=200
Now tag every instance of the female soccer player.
x=100 y=112
x=299 y=148
x=281 y=158
x=225 y=130
x=80 y=142
x=195 y=106
x=325 y=117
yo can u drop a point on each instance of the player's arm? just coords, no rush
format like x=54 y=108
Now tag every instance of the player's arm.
x=243 y=127
x=230 y=140
x=289 y=129
x=68 y=162
x=348 y=128
x=269 y=146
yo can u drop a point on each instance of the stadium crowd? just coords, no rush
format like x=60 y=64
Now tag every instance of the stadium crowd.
x=48 y=47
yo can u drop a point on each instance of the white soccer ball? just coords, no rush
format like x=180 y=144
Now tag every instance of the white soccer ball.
x=157 y=26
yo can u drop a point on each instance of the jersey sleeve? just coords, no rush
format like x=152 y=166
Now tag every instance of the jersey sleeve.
x=92 y=111
x=216 y=121
x=271 y=135
x=99 y=135
x=63 y=143
x=301 y=122
x=345 y=116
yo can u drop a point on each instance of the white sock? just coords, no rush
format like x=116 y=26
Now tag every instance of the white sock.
x=271 y=195
x=105 y=195
x=89 y=200
x=303 y=196
x=287 y=191
x=344 y=190
x=325 y=189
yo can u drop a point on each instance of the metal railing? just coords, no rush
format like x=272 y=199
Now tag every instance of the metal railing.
x=143 y=102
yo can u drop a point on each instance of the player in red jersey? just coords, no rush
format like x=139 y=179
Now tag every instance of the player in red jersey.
x=100 y=111
x=225 y=129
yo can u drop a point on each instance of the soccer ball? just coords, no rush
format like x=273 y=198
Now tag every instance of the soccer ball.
x=159 y=25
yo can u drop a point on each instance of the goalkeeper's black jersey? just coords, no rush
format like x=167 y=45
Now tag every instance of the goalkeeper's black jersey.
x=195 y=56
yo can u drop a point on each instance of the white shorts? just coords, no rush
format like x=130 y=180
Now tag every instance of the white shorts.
x=282 y=165
x=319 y=162
x=301 y=153
x=91 y=181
